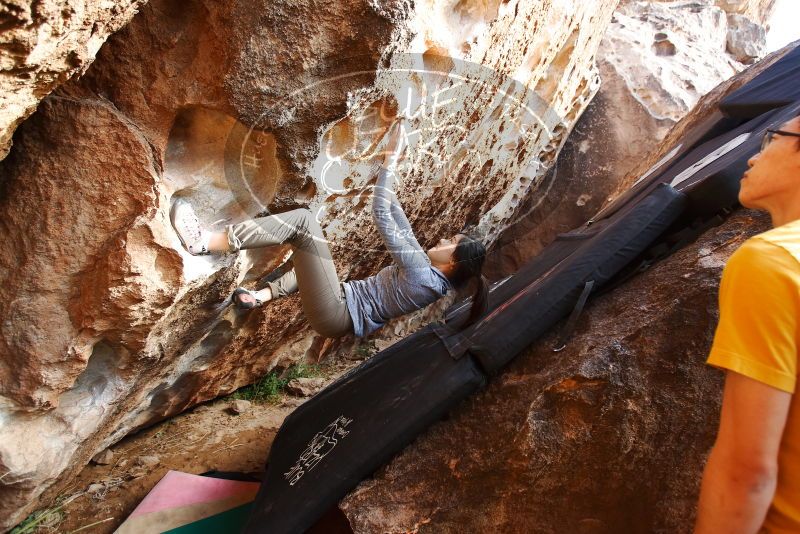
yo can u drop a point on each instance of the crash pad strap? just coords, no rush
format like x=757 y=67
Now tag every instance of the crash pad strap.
x=569 y=328
x=456 y=343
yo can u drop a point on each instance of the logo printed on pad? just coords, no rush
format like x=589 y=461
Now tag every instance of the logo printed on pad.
x=319 y=447
x=709 y=159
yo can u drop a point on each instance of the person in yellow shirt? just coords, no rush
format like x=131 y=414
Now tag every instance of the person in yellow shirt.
x=751 y=481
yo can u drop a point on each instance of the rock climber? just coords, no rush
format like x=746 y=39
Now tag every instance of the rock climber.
x=415 y=279
x=751 y=481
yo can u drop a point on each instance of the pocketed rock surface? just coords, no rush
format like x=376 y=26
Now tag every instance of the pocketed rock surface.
x=611 y=146
x=44 y=44
x=108 y=326
x=609 y=435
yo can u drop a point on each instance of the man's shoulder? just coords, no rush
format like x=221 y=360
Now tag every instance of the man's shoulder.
x=775 y=250
x=786 y=238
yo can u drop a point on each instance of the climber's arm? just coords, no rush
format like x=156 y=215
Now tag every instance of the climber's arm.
x=741 y=474
x=393 y=225
x=387 y=213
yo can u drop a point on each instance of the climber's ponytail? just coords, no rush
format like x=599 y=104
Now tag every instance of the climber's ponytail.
x=480 y=300
x=469 y=256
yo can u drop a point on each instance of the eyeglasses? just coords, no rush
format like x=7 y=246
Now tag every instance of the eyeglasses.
x=770 y=134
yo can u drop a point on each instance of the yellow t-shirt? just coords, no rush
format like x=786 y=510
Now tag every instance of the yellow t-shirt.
x=759 y=336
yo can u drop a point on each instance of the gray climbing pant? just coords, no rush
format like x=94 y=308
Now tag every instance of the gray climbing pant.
x=314 y=273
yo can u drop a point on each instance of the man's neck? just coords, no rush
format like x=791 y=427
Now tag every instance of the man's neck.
x=786 y=211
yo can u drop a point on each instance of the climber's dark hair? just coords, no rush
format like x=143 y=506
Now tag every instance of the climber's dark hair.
x=469 y=256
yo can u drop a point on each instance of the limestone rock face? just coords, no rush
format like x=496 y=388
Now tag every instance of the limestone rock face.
x=670 y=54
x=746 y=39
x=245 y=108
x=609 y=435
x=46 y=43
x=656 y=61
x=755 y=10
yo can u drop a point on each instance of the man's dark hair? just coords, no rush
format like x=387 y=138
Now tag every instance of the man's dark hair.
x=798 y=140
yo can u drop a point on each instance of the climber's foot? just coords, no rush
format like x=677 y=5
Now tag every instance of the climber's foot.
x=192 y=235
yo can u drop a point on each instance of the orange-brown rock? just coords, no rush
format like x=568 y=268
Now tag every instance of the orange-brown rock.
x=242 y=107
x=609 y=435
x=44 y=44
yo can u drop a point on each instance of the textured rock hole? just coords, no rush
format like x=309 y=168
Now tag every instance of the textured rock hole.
x=225 y=168
x=664 y=48
x=486 y=169
x=340 y=140
x=98 y=385
x=550 y=82
x=471 y=13
x=228 y=172
x=347 y=148
x=438 y=65
x=307 y=192
x=497 y=112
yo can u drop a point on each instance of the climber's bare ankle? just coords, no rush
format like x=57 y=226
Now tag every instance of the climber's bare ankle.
x=218 y=242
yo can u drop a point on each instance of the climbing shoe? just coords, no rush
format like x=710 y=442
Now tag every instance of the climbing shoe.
x=192 y=235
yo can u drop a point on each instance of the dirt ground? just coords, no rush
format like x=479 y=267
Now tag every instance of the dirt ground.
x=208 y=437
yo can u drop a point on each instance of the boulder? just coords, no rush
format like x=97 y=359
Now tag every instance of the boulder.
x=104 y=457
x=747 y=40
x=245 y=108
x=669 y=54
x=609 y=435
x=47 y=43
x=305 y=387
x=147 y=461
x=657 y=60
x=240 y=406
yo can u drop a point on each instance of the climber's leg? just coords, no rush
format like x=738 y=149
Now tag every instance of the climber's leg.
x=285 y=285
x=218 y=242
x=315 y=275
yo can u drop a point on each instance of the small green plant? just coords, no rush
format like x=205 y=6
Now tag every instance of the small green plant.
x=365 y=350
x=270 y=387
x=48 y=517
x=302 y=370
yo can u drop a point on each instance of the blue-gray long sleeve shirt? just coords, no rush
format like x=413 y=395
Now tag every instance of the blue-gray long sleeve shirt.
x=409 y=284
